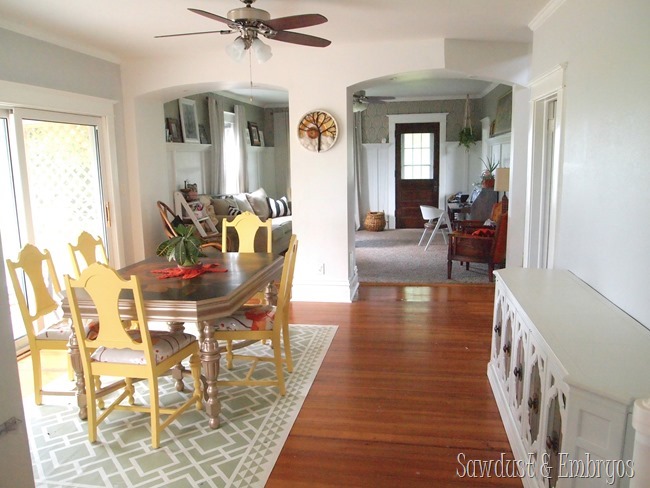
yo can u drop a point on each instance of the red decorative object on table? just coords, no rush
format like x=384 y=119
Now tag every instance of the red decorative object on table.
x=188 y=273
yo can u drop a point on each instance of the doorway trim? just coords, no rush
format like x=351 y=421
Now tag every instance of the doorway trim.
x=544 y=170
x=393 y=120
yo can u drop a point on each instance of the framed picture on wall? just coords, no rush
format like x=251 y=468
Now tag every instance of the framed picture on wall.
x=189 y=120
x=503 y=119
x=255 y=134
x=174 y=130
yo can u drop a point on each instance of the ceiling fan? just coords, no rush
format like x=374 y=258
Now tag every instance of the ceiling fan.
x=360 y=101
x=251 y=22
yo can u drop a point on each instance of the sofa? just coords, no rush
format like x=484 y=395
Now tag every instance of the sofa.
x=219 y=207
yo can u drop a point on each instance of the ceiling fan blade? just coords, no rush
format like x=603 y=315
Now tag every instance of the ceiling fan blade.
x=295 y=21
x=195 y=33
x=378 y=99
x=303 y=39
x=210 y=15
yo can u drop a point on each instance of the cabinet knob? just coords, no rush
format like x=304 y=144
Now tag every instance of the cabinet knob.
x=506 y=348
x=518 y=372
x=533 y=404
x=497 y=329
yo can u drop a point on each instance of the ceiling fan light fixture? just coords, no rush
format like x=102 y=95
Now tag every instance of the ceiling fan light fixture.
x=237 y=49
x=358 y=106
x=262 y=51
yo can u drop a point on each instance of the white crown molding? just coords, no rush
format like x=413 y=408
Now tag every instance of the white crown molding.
x=543 y=15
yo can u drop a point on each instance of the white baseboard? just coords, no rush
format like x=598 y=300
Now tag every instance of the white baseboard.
x=328 y=291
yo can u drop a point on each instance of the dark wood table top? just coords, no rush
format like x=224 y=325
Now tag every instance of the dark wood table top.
x=205 y=297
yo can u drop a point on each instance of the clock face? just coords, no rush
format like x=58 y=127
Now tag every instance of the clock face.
x=317 y=131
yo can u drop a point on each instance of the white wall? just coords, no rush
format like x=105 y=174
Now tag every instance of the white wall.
x=15 y=462
x=322 y=184
x=603 y=234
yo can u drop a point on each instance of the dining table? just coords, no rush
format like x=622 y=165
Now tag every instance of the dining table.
x=200 y=299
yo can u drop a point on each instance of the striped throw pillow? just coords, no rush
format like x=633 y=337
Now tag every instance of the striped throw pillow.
x=279 y=208
x=233 y=210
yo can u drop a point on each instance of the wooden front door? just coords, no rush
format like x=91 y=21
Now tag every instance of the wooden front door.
x=417 y=163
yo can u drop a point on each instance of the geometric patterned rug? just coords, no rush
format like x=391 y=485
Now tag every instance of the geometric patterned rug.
x=255 y=423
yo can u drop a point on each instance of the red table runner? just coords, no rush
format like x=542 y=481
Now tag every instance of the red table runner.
x=190 y=272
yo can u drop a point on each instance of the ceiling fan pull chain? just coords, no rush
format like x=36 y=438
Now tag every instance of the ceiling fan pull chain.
x=250 y=75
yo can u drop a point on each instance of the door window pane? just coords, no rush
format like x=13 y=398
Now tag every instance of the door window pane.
x=64 y=182
x=417 y=156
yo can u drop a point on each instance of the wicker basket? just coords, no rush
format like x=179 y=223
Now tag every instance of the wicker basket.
x=375 y=221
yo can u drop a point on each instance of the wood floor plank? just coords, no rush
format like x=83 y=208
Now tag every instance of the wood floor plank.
x=402 y=392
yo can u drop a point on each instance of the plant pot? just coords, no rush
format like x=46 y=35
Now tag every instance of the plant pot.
x=488 y=183
x=188 y=267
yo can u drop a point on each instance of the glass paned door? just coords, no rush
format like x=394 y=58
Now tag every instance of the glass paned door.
x=57 y=174
x=417 y=162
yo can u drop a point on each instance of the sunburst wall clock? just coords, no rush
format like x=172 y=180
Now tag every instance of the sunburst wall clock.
x=318 y=131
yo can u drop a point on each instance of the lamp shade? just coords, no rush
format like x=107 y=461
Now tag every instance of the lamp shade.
x=262 y=51
x=502 y=179
x=236 y=49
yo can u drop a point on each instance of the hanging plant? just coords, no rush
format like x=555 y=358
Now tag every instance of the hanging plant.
x=466 y=136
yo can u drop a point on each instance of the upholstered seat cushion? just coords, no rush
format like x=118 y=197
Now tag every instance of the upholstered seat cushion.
x=165 y=344
x=62 y=329
x=253 y=318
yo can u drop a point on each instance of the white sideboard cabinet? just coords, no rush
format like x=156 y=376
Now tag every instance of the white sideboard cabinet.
x=565 y=367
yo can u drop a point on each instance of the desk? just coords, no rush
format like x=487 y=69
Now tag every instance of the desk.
x=202 y=300
x=456 y=209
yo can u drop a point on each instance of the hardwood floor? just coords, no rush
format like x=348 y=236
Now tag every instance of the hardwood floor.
x=402 y=392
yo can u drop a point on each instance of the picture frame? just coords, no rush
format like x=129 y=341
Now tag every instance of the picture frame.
x=503 y=119
x=254 y=133
x=189 y=120
x=261 y=138
x=174 y=130
x=203 y=134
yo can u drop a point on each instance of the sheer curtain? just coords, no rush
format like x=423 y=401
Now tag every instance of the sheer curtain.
x=240 y=128
x=282 y=164
x=357 y=148
x=215 y=114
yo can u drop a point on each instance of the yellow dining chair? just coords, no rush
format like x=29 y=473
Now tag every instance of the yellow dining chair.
x=40 y=309
x=246 y=225
x=134 y=354
x=261 y=323
x=90 y=248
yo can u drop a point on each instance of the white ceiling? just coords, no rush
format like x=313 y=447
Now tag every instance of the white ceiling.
x=122 y=29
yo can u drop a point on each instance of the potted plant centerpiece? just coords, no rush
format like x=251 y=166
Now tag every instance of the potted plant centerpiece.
x=184 y=248
x=487 y=177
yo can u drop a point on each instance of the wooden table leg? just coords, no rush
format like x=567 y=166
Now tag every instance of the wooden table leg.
x=271 y=294
x=77 y=366
x=179 y=370
x=210 y=357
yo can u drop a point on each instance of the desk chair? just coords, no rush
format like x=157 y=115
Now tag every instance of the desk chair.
x=133 y=354
x=434 y=218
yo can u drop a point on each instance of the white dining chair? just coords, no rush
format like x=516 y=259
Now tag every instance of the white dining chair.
x=434 y=219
